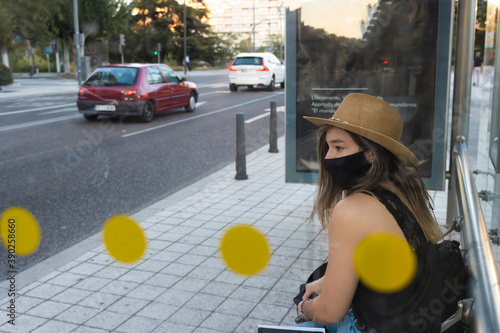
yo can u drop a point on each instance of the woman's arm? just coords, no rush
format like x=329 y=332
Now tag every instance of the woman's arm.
x=353 y=219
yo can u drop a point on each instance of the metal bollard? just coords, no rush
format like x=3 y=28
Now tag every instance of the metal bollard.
x=273 y=129
x=241 y=165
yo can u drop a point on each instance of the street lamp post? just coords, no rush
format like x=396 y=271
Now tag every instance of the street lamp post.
x=185 y=43
x=77 y=42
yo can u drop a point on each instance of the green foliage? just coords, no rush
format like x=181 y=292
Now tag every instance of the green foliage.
x=6 y=75
x=145 y=23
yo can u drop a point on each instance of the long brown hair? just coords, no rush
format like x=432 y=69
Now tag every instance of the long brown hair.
x=385 y=167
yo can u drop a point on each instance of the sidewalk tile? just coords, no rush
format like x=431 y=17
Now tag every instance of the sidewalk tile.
x=55 y=326
x=158 y=310
x=265 y=311
x=127 y=305
x=99 y=300
x=221 y=322
x=77 y=314
x=236 y=307
x=175 y=297
x=72 y=296
x=118 y=287
x=190 y=284
x=169 y=327
x=87 y=329
x=206 y=273
x=219 y=288
x=205 y=301
x=251 y=324
x=136 y=276
x=23 y=324
x=111 y=272
x=189 y=316
x=45 y=291
x=138 y=324
x=178 y=269
x=162 y=280
x=107 y=320
x=146 y=292
x=92 y=283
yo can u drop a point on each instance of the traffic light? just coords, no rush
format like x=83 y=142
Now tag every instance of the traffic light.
x=156 y=52
x=122 y=40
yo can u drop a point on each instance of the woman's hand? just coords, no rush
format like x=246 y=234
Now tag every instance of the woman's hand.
x=313 y=289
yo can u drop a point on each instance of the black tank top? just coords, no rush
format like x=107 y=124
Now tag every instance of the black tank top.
x=417 y=307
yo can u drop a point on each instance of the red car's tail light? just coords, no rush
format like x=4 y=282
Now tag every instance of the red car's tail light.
x=265 y=69
x=81 y=92
x=231 y=67
x=130 y=93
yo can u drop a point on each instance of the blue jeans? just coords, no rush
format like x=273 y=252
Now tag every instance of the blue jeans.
x=346 y=325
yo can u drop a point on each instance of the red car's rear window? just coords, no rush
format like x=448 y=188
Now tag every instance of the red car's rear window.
x=113 y=76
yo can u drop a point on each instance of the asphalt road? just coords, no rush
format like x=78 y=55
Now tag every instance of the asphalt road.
x=72 y=174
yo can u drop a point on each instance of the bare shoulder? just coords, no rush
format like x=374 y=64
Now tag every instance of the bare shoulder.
x=359 y=211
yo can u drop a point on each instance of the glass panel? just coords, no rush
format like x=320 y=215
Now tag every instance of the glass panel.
x=154 y=76
x=169 y=74
x=257 y=61
x=113 y=76
x=392 y=50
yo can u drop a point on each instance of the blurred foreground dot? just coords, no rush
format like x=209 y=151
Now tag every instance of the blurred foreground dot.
x=385 y=263
x=244 y=249
x=19 y=231
x=124 y=239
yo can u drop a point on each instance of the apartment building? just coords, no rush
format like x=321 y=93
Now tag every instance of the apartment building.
x=256 y=21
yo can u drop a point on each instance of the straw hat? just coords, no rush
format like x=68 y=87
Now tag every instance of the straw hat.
x=373 y=119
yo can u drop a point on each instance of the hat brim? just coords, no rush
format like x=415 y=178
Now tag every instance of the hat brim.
x=395 y=147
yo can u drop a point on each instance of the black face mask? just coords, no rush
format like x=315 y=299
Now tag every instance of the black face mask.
x=348 y=169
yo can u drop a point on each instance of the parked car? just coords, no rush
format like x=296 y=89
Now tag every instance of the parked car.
x=135 y=90
x=256 y=69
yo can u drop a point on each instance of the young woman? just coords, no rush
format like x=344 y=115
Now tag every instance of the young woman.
x=369 y=184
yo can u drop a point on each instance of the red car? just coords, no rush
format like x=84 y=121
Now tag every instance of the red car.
x=135 y=90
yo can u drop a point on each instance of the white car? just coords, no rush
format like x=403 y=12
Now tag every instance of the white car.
x=256 y=69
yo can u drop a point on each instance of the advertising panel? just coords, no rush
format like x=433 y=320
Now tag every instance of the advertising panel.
x=398 y=51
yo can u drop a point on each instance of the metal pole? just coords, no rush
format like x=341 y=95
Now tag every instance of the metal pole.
x=77 y=42
x=241 y=165
x=185 y=42
x=495 y=104
x=273 y=130
x=484 y=280
x=461 y=88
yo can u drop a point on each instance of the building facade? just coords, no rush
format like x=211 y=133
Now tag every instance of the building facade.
x=258 y=22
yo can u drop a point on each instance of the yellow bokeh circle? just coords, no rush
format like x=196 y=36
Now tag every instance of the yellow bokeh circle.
x=124 y=239
x=19 y=231
x=385 y=262
x=244 y=249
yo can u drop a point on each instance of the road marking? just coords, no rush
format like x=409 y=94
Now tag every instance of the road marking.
x=38 y=122
x=251 y=120
x=37 y=109
x=200 y=103
x=212 y=85
x=199 y=116
x=59 y=111
x=278 y=109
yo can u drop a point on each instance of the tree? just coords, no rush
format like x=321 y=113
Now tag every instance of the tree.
x=161 y=21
